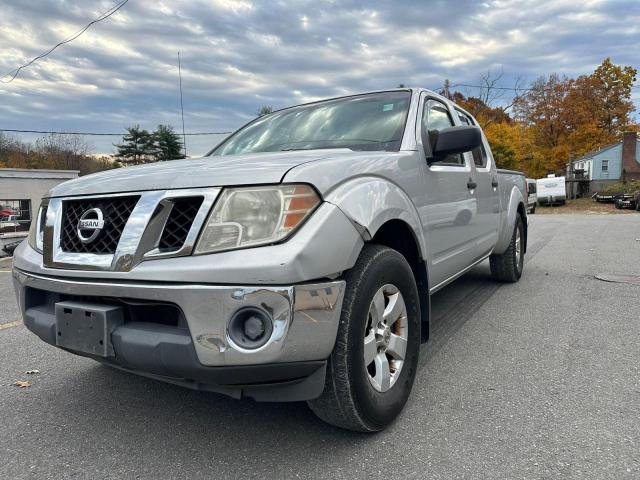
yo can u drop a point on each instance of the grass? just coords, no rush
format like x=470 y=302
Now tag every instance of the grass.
x=583 y=205
x=631 y=186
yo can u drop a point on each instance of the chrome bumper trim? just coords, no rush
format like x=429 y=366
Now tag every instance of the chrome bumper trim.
x=306 y=316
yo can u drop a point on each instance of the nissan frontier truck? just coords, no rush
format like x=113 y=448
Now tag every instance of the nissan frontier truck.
x=293 y=262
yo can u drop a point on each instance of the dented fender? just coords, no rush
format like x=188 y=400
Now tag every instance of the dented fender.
x=370 y=202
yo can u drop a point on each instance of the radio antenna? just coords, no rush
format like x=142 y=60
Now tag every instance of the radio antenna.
x=184 y=135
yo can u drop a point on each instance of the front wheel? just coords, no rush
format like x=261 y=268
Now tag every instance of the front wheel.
x=508 y=266
x=373 y=365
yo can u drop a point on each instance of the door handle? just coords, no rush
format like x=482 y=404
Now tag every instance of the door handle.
x=471 y=185
x=494 y=183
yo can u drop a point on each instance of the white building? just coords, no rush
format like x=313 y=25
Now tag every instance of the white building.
x=21 y=191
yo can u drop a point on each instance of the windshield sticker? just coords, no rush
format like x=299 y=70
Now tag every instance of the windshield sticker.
x=388 y=107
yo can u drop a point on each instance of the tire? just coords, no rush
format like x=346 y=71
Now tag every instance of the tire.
x=352 y=398
x=533 y=209
x=618 y=204
x=508 y=266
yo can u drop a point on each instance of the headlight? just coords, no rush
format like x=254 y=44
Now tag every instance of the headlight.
x=252 y=216
x=36 y=230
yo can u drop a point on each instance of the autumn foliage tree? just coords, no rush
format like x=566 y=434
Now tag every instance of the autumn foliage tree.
x=54 y=151
x=555 y=118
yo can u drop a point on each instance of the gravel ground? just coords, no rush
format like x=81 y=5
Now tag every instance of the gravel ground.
x=538 y=379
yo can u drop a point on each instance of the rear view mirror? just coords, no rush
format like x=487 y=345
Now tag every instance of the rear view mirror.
x=454 y=140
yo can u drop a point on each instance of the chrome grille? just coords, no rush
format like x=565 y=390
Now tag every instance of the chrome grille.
x=116 y=213
x=136 y=226
x=179 y=223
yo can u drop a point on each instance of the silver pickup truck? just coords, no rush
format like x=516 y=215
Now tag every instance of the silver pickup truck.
x=295 y=261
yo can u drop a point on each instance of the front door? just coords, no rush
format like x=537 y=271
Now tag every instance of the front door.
x=449 y=210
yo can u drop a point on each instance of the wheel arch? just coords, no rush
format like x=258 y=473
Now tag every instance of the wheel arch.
x=514 y=205
x=522 y=211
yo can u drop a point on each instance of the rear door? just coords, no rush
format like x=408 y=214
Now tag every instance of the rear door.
x=486 y=178
x=448 y=212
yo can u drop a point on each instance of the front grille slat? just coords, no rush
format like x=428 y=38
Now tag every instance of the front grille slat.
x=177 y=227
x=43 y=218
x=116 y=212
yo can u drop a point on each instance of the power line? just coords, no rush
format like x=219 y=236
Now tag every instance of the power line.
x=514 y=89
x=14 y=73
x=97 y=134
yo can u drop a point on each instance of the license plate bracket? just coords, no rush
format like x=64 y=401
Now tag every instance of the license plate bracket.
x=87 y=327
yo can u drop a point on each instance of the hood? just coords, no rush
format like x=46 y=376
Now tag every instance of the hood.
x=256 y=168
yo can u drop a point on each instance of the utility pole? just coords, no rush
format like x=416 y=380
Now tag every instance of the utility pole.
x=184 y=135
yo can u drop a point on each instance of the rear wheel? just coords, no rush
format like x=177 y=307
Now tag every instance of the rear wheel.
x=508 y=266
x=373 y=365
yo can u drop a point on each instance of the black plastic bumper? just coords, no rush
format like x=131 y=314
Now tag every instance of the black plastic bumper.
x=167 y=353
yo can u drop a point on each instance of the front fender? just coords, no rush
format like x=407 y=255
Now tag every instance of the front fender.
x=369 y=202
x=511 y=200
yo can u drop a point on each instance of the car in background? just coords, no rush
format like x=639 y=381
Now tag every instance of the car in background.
x=9 y=248
x=532 y=195
x=6 y=212
x=551 y=190
x=11 y=232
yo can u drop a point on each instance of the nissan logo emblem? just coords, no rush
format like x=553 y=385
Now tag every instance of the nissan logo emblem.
x=91 y=223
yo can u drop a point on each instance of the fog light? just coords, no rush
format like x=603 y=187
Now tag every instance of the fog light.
x=250 y=328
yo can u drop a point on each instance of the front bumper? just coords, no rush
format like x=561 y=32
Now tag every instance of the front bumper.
x=197 y=351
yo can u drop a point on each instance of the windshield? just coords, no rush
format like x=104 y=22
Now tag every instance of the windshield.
x=364 y=122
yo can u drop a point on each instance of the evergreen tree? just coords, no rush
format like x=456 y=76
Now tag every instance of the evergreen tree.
x=264 y=110
x=137 y=147
x=167 y=144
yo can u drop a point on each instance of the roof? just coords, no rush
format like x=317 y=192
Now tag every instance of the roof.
x=37 y=173
x=590 y=155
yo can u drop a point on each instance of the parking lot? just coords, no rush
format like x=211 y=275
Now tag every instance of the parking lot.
x=538 y=379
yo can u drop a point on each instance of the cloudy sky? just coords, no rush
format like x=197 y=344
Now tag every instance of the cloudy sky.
x=240 y=54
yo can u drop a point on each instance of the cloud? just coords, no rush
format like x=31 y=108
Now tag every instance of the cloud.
x=238 y=54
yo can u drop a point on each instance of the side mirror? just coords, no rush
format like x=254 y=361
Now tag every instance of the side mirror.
x=454 y=140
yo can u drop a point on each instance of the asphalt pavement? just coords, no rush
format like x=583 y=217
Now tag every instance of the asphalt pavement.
x=539 y=379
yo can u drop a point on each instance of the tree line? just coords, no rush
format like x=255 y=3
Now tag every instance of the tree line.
x=554 y=119
x=57 y=152
x=71 y=152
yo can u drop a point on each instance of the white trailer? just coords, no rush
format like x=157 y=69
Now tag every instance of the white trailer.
x=551 y=190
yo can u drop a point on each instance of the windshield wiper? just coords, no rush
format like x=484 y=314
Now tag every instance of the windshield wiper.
x=351 y=141
x=311 y=148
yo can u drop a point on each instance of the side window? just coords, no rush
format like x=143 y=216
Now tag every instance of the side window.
x=435 y=116
x=479 y=154
x=464 y=119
